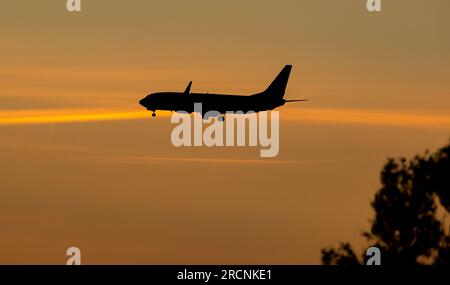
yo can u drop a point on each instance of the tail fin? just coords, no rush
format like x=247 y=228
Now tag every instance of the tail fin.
x=278 y=86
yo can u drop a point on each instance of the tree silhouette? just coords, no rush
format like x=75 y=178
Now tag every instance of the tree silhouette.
x=406 y=227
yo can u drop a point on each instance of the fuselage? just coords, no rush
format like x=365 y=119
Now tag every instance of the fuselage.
x=222 y=103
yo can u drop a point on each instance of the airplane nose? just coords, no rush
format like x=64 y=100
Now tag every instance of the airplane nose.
x=142 y=102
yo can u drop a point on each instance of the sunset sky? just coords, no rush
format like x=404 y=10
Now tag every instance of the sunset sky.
x=83 y=164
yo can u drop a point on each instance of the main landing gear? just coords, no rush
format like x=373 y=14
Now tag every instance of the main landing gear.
x=153 y=114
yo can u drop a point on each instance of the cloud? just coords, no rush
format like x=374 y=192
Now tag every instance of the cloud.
x=31 y=117
x=305 y=115
x=367 y=117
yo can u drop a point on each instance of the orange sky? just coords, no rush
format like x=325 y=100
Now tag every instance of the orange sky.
x=82 y=164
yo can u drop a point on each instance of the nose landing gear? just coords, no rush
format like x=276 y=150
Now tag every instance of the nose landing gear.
x=154 y=114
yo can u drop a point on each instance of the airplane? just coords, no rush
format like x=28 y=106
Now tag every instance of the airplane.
x=269 y=99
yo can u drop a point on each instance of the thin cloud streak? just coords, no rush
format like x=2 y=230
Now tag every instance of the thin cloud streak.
x=314 y=115
x=155 y=159
x=33 y=117
x=367 y=117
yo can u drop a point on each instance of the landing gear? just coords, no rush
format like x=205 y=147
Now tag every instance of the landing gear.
x=154 y=114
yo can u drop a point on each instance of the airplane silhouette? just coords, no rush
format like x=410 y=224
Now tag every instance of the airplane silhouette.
x=269 y=99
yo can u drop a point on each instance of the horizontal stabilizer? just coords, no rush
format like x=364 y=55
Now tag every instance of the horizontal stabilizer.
x=299 y=100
